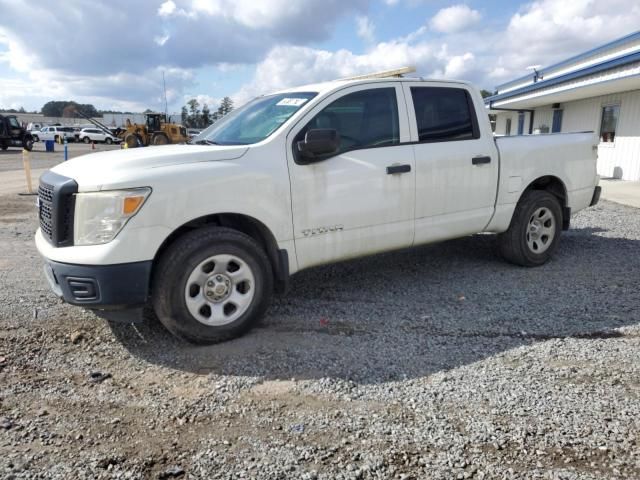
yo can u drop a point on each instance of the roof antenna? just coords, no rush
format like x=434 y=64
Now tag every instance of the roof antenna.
x=536 y=74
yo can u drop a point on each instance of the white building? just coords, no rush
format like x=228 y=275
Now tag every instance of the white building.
x=598 y=91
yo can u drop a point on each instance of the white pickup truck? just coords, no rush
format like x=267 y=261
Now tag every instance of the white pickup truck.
x=206 y=232
x=55 y=133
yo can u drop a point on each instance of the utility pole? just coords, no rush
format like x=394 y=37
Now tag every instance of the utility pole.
x=164 y=86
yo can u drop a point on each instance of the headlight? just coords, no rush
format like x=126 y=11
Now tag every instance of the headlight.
x=99 y=216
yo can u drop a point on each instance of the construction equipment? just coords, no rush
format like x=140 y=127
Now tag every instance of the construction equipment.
x=13 y=135
x=156 y=131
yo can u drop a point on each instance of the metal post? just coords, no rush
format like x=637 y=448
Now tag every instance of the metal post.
x=26 y=162
x=66 y=150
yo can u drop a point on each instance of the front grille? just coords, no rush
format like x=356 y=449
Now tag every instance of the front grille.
x=45 y=200
x=56 y=207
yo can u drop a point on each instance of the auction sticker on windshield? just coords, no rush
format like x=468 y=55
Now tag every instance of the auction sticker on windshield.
x=292 y=102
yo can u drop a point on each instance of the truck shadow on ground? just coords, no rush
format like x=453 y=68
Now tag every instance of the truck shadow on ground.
x=411 y=313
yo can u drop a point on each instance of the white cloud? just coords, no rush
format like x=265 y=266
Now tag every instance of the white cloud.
x=203 y=99
x=273 y=35
x=549 y=31
x=459 y=65
x=184 y=35
x=167 y=8
x=454 y=19
x=161 y=40
x=365 y=28
x=287 y=66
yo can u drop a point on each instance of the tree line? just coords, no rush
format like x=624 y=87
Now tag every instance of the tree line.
x=193 y=117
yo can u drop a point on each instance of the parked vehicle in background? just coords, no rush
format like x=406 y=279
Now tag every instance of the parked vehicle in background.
x=88 y=135
x=205 y=232
x=13 y=135
x=193 y=132
x=34 y=127
x=56 y=133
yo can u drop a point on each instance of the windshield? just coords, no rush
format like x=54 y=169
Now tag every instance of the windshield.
x=255 y=121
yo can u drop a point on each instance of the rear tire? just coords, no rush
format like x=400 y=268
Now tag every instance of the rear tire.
x=86 y=140
x=535 y=229
x=211 y=285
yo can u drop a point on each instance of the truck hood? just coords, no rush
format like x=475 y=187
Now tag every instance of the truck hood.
x=93 y=171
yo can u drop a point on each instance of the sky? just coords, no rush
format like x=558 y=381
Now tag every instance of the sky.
x=113 y=53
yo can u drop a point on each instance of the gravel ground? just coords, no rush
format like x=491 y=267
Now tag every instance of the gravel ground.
x=439 y=362
x=11 y=159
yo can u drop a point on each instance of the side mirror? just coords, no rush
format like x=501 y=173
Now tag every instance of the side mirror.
x=318 y=143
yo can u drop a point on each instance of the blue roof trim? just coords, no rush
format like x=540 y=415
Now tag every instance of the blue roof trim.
x=609 y=64
x=588 y=53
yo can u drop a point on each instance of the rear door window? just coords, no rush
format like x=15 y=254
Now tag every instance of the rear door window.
x=444 y=114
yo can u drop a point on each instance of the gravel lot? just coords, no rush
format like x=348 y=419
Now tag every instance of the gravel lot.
x=440 y=362
x=11 y=159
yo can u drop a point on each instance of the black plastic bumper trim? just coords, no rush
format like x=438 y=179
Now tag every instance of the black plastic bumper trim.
x=566 y=218
x=282 y=275
x=119 y=286
x=596 y=196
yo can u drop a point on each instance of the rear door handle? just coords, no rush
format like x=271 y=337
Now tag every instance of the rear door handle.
x=480 y=160
x=393 y=169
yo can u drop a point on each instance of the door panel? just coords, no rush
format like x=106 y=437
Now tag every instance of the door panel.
x=456 y=163
x=349 y=205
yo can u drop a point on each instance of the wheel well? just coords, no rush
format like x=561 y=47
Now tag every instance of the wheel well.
x=247 y=225
x=556 y=187
x=552 y=185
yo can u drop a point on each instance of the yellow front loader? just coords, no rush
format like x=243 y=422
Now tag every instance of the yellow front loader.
x=155 y=132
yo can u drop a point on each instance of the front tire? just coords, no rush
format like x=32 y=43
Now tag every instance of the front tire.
x=211 y=285
x=28 y=144
x=133 y=141
x=108 y=141
x=535 y=229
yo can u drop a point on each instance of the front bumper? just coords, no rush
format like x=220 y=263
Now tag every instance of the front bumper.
x=110 y=287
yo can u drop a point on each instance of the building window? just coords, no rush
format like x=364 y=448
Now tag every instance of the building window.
x=610 y=114
x=556 y=127
x=507 y=128
x=520 y=123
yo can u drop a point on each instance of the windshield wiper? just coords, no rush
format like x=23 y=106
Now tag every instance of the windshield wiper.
x=204 y=142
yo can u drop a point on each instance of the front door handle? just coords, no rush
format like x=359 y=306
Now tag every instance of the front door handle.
x=393 y=169
x=480 y=160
